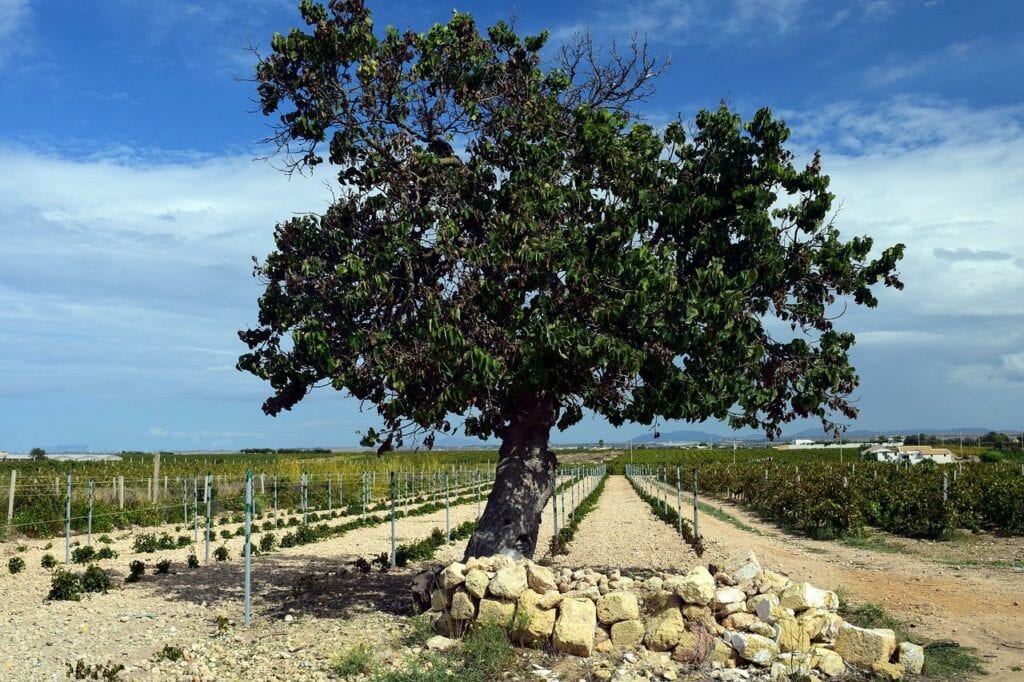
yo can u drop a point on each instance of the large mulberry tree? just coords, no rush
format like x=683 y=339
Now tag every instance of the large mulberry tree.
x=510 y=245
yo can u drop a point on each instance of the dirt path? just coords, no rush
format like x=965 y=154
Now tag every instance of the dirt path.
x=977 y=607
x=621 y=532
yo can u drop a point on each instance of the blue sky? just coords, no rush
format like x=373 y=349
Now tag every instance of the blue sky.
x=131 y=203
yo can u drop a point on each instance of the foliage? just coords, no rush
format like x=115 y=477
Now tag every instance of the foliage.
x=65 y=586
x=95 y=579
x=136 y=569
x=16 y=564
x=221 y=553
x=169 y=653
x=105 y=539
x=106 y=553
x=950 y=661
x=568 y=257
x=83 y=555
x=48 y=561
x=268 y=542
x=149 y=543
x=356 y=660
x=37 y=454
x=193 y=561
x=94 y=671
x=163 y=567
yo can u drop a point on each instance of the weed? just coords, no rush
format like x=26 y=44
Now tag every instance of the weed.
x=225 y=534
x=95 y=579
x=357 y=660
x=105 y=539
x=268 y=542
x=950 y=661
x=169 y=653
x=136 y=570
x=48 y=561
x=16 y=565
x=193 y=561
x=223 y=623
x=65 y=586
x=94 y=671
x=163 y=567
x=221 y=553
x=22 y=547
x=184 y=541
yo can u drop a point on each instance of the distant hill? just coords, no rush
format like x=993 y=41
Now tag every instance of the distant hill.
x=685 y=436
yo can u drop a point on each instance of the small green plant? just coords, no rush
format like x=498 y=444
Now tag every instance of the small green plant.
x=193 y=561
x=268 y=542
x=184 y=541
x=16 y=565
x=22 y=547
x=49 y=545
x=145 y=542
x=223 y=623
x=169 y=653
x=356 y=660
x=65 y=586
x=950 y=661
x=48 y=561
x=106 y=553
x=221 y=553
x=163 y=567
x=105 y=539
x=95 y=579
x=225 y=534
x=267 y=525
x=83 y=555
x=136 y=570
x=94 y=671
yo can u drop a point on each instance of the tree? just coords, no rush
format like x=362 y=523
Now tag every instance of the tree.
x=511 y=245
x=37 y=454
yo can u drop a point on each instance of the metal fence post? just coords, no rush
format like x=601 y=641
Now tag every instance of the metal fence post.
x=67 y=526
x=392 y=490
x=248 y=545
x=10 y=498
x=679 y=498
x=696 y=528
x=89 y=526
x=447 y=517
x=209 y=491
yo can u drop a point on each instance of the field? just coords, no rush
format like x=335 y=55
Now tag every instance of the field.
x=313 y=603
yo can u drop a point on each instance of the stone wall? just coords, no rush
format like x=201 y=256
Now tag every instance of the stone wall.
x=732 y=620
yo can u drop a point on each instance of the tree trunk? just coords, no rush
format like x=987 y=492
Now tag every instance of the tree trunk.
x=522 y=484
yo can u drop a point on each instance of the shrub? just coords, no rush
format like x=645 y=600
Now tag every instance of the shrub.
x=169 y=653
x=992 y=456
x=268 y=542
x=106 y=553
x=83 y=555
x=193 y=561
x=105 y=539
x=16 y=565
x=221 y=553
x=136 y=570
x=240 y=531
x=163 y=567
x=184 y=541
x=48 y=561
x=225 y=534
x=65 y=586
x=95 y=579
x=146 y=542
x=268 y=525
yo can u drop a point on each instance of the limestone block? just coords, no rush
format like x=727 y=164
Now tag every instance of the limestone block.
x=453 y=575
x=863 y=647
x=696 y=587
x=803 y=596
x=540 y=578
x=664 y=630
x=754 y=648
x=462 y=607
x=532 y=623
x=495 y=611
x=508 y=582
x=574 y=629
x=616 y=606
x=627 y=633
x=911 y=658
x=476 y=582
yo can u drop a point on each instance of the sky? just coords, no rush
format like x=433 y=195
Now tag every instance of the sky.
x=133 y=198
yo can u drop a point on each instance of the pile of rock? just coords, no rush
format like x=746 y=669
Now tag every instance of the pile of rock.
x=734 y=620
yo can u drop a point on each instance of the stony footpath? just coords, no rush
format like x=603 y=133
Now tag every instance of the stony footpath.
x=740 y=621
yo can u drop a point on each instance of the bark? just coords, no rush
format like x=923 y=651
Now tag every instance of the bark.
x=522 y=484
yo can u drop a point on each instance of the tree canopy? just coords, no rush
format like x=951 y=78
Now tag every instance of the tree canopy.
x=507 y=229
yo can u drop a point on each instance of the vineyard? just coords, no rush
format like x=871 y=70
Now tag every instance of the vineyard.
x=825 y=498
x=354 y=547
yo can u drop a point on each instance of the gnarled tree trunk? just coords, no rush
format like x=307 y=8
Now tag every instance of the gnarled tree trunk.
x=522 y=483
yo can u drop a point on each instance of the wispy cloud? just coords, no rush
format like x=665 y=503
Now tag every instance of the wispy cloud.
x=14 y=16
x=963 y=254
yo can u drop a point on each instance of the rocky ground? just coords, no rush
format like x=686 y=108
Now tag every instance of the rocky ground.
x=310 y=604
